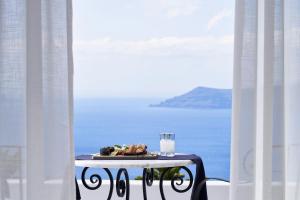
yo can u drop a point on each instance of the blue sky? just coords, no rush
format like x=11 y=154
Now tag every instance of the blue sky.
x=151 y=48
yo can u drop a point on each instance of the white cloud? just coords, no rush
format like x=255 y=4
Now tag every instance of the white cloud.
x=165 y=66
x=173 y=8
x=218 y=17
x=164 y=46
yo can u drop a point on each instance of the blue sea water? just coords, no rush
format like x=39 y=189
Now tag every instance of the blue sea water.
x=103 y=122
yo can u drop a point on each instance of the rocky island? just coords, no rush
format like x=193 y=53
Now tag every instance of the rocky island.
x=200 y=98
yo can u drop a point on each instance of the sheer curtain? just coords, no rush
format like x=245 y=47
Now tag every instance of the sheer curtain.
x=265 y=163
x=36 y=142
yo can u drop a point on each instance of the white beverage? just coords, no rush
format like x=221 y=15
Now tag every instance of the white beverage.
x=167 y=144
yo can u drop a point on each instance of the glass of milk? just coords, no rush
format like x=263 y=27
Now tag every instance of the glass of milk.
x=167 y=144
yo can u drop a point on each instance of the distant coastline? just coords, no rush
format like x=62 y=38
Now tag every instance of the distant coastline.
x=200 y=98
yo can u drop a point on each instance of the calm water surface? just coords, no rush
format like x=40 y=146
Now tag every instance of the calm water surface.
x=205 y=132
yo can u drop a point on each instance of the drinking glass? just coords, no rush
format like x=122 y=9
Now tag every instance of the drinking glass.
x=167 y=144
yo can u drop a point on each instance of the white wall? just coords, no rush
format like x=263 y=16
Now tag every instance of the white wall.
x=216 y=191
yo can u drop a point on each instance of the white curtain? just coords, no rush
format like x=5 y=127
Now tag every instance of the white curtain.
x=265 y=162
x=36 y=142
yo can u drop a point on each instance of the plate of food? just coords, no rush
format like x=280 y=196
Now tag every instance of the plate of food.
x=126 y=152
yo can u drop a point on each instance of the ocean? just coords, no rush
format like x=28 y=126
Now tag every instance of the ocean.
x=104 y=122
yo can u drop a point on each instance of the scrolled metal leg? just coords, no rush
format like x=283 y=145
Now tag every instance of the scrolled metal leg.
x=174 y=181
x=97 y=181
x=176 y=178
x=94 y=179
x=148 y=176
x=122 y=186
x=78 y=195
x=161 y=180
x=111 y=187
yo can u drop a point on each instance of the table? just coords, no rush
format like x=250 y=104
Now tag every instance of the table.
x=123 y=186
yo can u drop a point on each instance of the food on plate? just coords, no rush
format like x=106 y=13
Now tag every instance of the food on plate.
x=117 y=150
x=136 y=149
x=107 y=150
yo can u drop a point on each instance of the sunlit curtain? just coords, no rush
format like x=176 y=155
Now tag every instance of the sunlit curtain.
x=265 y=162
x=36 y=142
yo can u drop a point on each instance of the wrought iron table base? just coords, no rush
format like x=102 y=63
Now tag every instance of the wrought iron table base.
x=123 y=186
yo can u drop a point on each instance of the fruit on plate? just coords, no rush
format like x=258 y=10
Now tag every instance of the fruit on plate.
x=117 y=150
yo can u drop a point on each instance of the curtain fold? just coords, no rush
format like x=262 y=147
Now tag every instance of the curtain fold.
x=265 y=162
x=36 y=100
